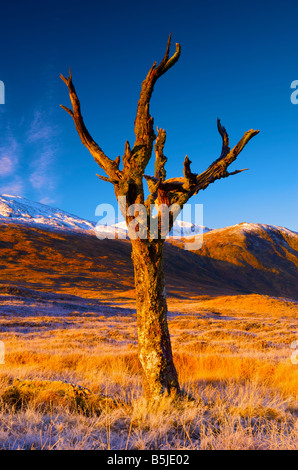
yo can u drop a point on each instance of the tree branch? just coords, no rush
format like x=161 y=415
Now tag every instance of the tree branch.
x=144 y=132
x=218 y=169
x=181 y=189
x=160 y=159
x=189 y=177
x=108 y=180
x=225 y=140
x=109 y=166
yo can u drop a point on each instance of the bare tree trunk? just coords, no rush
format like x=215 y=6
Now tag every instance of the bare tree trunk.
x=154 y=345
x=155 y=351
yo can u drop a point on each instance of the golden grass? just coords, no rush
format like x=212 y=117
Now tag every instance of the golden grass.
x=232 y=357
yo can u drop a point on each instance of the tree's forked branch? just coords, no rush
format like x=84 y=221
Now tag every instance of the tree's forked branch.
x=181 y=189
x=218 y=169
x=170 y=191
x=144 y=132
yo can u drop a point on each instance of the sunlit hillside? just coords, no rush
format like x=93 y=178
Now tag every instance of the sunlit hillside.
x=71 y=377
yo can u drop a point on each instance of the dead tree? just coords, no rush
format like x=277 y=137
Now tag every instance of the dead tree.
x=154 y=346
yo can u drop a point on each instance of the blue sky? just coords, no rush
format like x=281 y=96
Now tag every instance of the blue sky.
x=237 y=63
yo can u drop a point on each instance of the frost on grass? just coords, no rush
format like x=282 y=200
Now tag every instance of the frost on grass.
x=71 y=378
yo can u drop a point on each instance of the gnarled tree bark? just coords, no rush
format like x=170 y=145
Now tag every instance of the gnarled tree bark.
x=154 y=345
x=155 y=353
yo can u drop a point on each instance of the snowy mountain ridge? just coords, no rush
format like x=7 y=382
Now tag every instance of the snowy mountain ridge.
x=181 y=228
x=17 y=209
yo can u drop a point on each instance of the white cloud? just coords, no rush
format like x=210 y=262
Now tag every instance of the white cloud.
x=9 y=157
x=38 y=173
x=47 y=200
x=14 y=187
x=40 y=130
x=42 y=176
x=43 y=135
x=6 y=165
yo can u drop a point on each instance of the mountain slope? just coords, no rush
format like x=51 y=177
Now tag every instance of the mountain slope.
x=254 y=257
x=47 y=249
x=80 y=264
x=21 y=210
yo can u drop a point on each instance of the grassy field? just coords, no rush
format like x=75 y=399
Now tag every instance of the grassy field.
x=232 y=354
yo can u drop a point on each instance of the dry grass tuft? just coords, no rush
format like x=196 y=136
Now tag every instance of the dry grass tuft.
x=48 y=395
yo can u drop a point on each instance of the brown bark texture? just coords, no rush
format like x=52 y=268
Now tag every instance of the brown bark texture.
x=154 y=345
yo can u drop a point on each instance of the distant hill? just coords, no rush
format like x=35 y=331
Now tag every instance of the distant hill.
x=47 y=249
x=252 y=257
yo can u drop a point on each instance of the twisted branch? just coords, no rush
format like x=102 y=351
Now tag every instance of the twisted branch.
x=180 y=190
x=109 y=166
x=144 y=122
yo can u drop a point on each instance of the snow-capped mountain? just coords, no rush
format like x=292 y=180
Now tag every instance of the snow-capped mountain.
x=180 y=229
x=21 y=210
x=244 y=228
x=18 y=209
